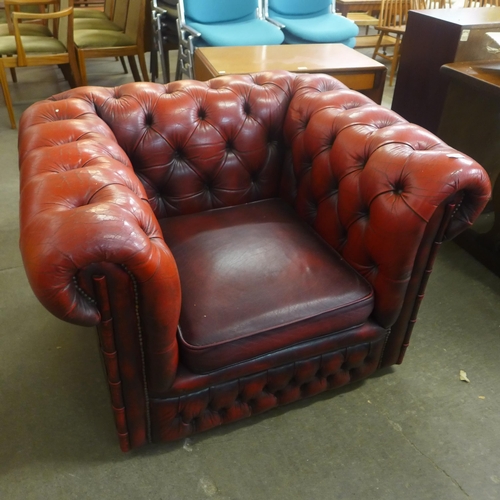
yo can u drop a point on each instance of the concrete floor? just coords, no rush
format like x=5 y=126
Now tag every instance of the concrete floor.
x=413 y=432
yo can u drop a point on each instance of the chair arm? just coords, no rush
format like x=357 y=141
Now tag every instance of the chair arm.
x=276 y=23
x=16 y=16
x=189 y=30
x=82 y=211
x=380 y=190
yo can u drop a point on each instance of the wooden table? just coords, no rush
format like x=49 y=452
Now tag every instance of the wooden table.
x=471 y=123
x=346 y=6
x=352 y=68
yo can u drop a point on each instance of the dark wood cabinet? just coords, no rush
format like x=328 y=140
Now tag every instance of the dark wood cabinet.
x=433 y=38
x=470 y=122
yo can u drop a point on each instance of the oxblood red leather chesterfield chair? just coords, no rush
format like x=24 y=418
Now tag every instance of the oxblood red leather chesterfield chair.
x=240 y=244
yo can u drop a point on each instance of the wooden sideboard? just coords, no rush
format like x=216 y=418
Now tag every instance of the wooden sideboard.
x=433 y=38
x=470 y=122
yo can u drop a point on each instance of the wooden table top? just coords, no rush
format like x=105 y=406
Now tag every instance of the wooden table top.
x=309 y=58
x=346 y=6
x=482 y=75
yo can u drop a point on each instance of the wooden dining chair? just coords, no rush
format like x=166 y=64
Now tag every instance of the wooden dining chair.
x=98 y=43
x=95 y=10
x=28 y=28
x=90 y=18
x=24 y=51
x=391 y=28
x=480 y=3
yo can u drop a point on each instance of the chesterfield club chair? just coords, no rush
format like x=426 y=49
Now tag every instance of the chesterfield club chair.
x=240 y=244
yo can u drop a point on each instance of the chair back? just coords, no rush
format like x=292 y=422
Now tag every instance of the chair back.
x=480 y=3
x=12 y=6
x=394 y=13
x=220 y=11
x=62 y=28
x=60 y=23
x=109 y=7
x=120 y=13
x=300 y=7
x=434 y=4
x=135 y=20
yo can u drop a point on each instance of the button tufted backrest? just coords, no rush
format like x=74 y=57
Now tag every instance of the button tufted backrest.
x=197 y=146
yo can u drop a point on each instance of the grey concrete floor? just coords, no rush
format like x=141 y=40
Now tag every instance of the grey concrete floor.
x=414 y=431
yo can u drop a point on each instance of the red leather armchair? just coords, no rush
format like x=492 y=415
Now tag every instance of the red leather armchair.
x=240 y=244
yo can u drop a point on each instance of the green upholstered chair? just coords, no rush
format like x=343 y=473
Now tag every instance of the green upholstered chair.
x=25 y=28
x=88 y=12
x=89 y=18
x=21 y=51
x=97 y=43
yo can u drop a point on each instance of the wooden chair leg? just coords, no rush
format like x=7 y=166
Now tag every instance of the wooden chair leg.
x=13 y=75
x=66 y=71
x=144 y=68
x=71 y=74
x=6 y=96
x=81 y=66
x=377 y=45
x=75 y=72
x=124 y=65
x=395 y=60
x=133 y=68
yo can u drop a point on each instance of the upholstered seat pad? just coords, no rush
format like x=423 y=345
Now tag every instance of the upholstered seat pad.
x=27 y=29
x=93 y=39
x=85 y=12
x=255 y=279
x=92 y=23
x=249 y=32
x=32 y=45
x=324 y=28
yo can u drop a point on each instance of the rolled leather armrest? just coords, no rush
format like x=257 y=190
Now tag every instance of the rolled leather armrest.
x=380 y=190
x=81 y=207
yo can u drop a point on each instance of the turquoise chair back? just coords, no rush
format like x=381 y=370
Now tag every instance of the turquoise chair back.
x=219 y=11
x=299 y=7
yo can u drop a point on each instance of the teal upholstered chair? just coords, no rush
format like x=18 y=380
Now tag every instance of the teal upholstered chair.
x=311 y=21
x=222 y=23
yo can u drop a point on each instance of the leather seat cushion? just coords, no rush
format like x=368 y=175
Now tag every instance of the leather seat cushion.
x=256 y=279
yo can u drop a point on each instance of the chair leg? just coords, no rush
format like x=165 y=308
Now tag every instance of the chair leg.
x=124 y=65
x=395 y=60
x=153 y=64
x=71 y=74
x=144 y=68
x=377 y=45
x=133 y=68
x=178 y=68
x=66 y=71
x=6 y=96
x=166 y=66
x=13 y=74
x=76 y=79
x=81 y=66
